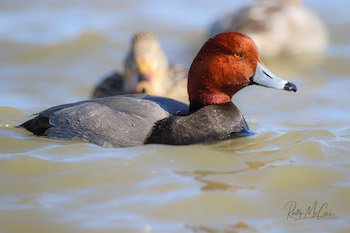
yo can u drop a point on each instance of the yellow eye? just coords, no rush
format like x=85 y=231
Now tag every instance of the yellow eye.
x=237 y=55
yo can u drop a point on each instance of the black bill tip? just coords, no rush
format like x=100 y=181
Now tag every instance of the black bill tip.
x=290 y=87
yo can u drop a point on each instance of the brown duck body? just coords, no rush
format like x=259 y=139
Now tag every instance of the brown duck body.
x=146 y=71
x=278 y=27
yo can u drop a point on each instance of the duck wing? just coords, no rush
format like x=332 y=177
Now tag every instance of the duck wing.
x=111 y=85
x=116 y=121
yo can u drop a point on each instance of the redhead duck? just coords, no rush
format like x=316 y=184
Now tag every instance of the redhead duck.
x=278 y=27
x=147 y=71
x=225 y=64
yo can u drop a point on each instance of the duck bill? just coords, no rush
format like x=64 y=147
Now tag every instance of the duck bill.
x=264 y=77
x=143 y=87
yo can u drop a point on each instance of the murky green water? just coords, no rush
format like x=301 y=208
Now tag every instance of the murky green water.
x=53 y=52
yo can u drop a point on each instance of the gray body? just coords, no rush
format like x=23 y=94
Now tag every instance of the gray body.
x=133 y=120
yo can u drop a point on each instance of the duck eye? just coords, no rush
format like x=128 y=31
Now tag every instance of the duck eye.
x=237 y=55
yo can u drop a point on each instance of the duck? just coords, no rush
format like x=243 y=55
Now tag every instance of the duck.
x=146 y=71
x=227 y=63
x=279 y=27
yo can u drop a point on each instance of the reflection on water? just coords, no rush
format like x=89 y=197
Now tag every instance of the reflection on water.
x=54 y=52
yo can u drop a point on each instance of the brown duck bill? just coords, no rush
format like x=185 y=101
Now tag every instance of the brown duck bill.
x=264 y=77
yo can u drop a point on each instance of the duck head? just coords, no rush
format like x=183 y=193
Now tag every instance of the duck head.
x=146 y=66
x=224 y=65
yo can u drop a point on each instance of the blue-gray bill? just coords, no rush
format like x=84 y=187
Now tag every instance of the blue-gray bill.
x=264 y=77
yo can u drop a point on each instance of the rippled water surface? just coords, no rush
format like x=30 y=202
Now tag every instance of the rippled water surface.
x=53 y=52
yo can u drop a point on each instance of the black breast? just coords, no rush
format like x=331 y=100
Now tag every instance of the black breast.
x=210 y=123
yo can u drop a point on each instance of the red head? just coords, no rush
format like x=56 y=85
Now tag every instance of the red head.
x=225 y=64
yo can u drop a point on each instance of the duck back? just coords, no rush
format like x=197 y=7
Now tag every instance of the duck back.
x=117 y=121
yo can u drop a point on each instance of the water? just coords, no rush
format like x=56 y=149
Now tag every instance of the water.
x=53 y=52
